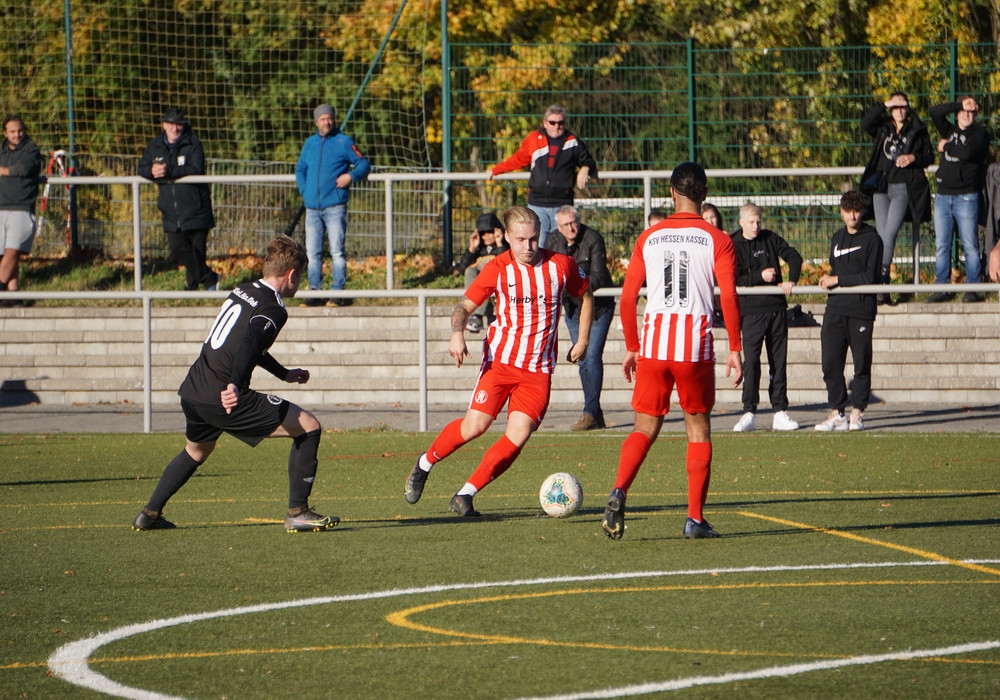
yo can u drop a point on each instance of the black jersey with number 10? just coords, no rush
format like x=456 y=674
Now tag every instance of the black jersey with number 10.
x=247 y=325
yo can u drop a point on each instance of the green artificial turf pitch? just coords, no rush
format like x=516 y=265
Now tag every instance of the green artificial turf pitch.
x=851 y=565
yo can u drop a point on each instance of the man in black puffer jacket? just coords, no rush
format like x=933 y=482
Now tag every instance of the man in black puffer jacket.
x=186 y=209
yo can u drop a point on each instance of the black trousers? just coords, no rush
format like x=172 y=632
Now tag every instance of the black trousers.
x=837 y=335
x=768 y=330
x=188 y=248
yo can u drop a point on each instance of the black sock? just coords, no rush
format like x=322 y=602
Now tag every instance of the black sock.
x=180 y=469
x=302 y=463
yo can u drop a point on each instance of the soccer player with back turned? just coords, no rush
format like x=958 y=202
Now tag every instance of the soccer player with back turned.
x=216 y=396
x=679 y=260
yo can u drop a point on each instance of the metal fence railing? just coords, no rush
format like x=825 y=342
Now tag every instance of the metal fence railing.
x=402 y=213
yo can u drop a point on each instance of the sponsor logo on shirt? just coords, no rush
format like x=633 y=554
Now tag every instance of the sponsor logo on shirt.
x=837 y=252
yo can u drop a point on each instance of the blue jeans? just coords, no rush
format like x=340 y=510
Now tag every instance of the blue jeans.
x=592 y=367
x=332 y=221
x=547 y=215
x=963 y=210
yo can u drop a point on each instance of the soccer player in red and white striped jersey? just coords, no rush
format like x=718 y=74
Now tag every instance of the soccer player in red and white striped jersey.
x=519 y=353
x=679 y=260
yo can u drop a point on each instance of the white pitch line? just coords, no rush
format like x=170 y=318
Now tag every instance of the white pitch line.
x=773 y=672
x=71 y=661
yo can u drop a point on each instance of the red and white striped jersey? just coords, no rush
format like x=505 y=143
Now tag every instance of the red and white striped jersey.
x=679 y=260
x=528 y=306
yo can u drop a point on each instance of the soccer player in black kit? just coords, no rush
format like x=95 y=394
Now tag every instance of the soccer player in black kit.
x=216 y=396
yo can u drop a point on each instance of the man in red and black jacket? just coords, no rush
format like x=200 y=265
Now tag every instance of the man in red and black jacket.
x=558 y=159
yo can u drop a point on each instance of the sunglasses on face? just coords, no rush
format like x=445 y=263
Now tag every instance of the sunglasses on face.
x=557 y=123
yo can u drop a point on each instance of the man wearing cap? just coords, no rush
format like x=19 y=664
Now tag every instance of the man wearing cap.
x=329 y=164
x=485 y=243
x=186 y=209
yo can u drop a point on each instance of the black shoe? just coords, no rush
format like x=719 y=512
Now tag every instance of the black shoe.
x=693 y=530
x=415 y=483
x=938 y=298
x=463 y=506
x=313 y=301
x=971 y=298
x=904 y=298
x=341 y=301
x=614 y=515
x=149 y=522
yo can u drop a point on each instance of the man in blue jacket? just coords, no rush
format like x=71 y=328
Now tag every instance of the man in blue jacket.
x=329 y=164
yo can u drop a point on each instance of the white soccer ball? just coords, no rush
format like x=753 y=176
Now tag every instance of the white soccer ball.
x=561 y=495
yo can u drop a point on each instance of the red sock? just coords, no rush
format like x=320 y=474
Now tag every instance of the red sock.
x=699 y=470
x=633 y=454
x=495 y=462
x=447 y=441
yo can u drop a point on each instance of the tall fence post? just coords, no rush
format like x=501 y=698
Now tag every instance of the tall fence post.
x=137 y=236
x=390 y=272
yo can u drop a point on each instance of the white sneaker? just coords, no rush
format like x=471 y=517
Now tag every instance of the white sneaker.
x=746 y=423
x=782 y=421
x=857 y=420
x=835 y=421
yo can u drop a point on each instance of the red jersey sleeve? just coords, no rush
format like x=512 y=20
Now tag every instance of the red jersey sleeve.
x=725 y=277
x=519 y=160
x=635 y=277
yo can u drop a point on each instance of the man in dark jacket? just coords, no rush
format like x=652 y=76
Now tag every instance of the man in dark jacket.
x=485 y=243
x=186 y=209
x=20 y=165
x=586 y=247
x=964 y=147
x=759 y=253
x=855 y=255
x=559 y=160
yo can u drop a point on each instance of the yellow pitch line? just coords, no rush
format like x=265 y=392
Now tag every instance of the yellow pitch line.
x=867 y=540
x=401 y=618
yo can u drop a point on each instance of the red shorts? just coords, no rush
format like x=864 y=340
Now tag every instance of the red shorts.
x=654 y=380
x=528 y=391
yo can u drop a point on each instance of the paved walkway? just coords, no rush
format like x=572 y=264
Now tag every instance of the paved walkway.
x=129 y=419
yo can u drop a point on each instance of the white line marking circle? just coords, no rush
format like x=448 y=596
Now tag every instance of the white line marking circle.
x=71 y=661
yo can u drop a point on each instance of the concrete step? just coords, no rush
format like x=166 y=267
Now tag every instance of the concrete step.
x=365 y=354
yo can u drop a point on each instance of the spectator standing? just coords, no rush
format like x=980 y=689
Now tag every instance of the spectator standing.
x=679 y=261
x=216 y=396
x=655 y=217
x=519 y=354
x=994 y=263
x=186 y=209
x=895 y=174
x=559 y=160
x=964 y=147
x=20 y=166
x=586 y=246
x=764 y=318
x=849 y=319
x=711 y=214
x=329 y=164
x=485 y=243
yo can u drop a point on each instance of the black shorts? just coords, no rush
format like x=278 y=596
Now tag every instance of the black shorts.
x=255 y=417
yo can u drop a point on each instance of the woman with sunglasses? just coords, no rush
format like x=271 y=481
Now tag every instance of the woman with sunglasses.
x=894 y=176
